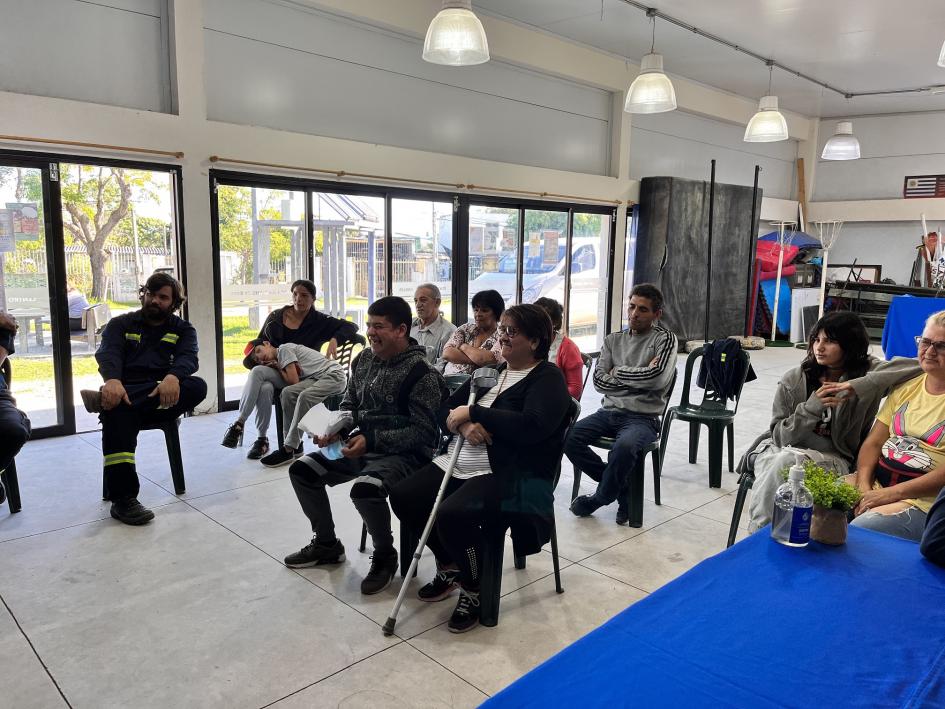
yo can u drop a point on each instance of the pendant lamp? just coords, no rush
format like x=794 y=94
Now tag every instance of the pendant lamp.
x=767 y=125
x=455 y=37
x=843 y=145
x=651 y=91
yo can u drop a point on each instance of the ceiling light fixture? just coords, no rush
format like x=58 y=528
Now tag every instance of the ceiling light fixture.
x=767 y=125
x=651 y=91
x=941 y=56
x=455 y=36
x=843 y=145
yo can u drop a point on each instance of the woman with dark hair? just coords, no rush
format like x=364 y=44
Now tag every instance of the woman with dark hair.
x=505 y=469
x=298 y=324
x=814 y=411
x=564 y=353
x=475 y=344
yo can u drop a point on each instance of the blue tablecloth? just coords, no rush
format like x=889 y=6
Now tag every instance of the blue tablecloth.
x=905 y=320
x=764 y=625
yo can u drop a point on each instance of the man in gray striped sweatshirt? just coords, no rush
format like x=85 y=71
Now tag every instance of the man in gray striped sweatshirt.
x=633 y=373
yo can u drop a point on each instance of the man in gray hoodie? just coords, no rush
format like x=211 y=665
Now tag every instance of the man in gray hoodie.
x=393 y=396
x=635 y=369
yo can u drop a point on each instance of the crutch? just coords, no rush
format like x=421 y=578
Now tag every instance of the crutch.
x=483 y=378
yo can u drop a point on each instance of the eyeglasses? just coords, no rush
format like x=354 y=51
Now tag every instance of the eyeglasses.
x=923 y=344
x=506 y=330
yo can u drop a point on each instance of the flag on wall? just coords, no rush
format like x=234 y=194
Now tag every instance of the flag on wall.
x=924 y=186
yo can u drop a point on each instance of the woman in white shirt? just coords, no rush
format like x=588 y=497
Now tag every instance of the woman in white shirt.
x=513 y=443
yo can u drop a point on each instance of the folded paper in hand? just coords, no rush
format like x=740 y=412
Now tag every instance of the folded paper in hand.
x=319 y=421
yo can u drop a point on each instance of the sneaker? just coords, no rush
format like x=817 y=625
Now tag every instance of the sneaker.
x=233 y=436
x=280 y=457
x=130 y=511
x=92 y=400
x=584 y=505
x=259 y=449
x=466 y=615
x=383 y=568
x=443 y=584
x=316 y=554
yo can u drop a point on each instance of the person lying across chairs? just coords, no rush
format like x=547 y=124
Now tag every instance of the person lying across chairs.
x=505 y=469
x=148 y=359
x=14 y=425
x=634 y=372
x=308 y=379
x=811 y=414
x=393 y=397
x=900 y=469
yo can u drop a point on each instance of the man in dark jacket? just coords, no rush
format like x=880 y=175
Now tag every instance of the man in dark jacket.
x=14 y=426
x=147 y=358
x=933 y=540
x=393 y=396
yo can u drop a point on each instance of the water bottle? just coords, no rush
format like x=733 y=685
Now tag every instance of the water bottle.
x=793 y=509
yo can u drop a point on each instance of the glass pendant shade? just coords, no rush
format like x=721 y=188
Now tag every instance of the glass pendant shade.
x=843 y=145
x=455 y=37
x=651 y=91
x=767 y=125
x=941 y=57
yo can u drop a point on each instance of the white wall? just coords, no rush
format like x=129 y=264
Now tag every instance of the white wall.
x=113 y=52
x=890 y=244
x=680 y=144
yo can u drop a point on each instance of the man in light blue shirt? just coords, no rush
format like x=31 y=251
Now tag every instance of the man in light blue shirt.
x=430 y=329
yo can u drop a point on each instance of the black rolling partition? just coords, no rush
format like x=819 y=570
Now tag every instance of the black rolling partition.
x=672 y=252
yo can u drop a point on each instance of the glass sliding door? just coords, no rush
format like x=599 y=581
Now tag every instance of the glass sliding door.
x=630 y=245
x=586 y=312
x=546 y=241
x=119 y=227
x=263 y=248
x=423 y=248
x=493 y=248
x=30 y=275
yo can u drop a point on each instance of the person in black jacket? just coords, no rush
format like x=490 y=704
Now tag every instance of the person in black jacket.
x=147 y=358
x=505 y=470
x=300 y=324
x=14 y=425
x=933 y=539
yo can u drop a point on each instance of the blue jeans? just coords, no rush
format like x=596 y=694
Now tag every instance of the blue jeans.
x=632 y=432
x=907 y=524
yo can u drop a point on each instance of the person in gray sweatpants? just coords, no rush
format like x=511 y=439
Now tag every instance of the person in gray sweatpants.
x=633 y=373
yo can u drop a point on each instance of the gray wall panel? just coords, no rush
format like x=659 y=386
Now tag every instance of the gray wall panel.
x=111 y=53
x=889 y=244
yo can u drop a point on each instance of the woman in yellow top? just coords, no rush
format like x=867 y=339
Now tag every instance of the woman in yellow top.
x=901 y=465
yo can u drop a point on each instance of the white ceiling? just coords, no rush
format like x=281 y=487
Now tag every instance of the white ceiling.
x=855 y=45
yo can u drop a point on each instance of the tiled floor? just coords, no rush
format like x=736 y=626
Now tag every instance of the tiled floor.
x=196 y=609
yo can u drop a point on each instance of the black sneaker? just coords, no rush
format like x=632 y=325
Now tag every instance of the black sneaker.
x=442 y=585
x=466 y=615
x=383 y=568
x=259 y=449
x=233 y=436
x=316 y=554
x=584 y=505
x=92 y=400
x=280 y=457
x=130 y=511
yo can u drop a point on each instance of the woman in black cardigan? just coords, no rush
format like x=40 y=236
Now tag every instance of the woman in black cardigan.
x=505 y=470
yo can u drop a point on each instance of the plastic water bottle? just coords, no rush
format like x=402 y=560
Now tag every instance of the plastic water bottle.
x=793 y=509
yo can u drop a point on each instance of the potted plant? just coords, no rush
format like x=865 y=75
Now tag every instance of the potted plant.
x=833 y=499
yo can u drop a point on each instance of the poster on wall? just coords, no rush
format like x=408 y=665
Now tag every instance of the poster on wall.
x=7 y=242
x=25 y=218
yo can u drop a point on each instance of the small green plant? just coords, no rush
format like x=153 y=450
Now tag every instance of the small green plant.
x=827 y=487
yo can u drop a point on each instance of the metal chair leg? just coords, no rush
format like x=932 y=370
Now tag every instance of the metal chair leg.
x=554 y=556
x=12 y=486
x=744 y=485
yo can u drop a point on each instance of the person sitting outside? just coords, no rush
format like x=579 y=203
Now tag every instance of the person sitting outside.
x=564 y=353
x=900 y=469
x=77 y=305
x=393 y=397
x=300 y=324
x=476 y=344
x=505 y=470
x=933 y=538
x=809 y=413
x=147 y=359
x=308 y=378
x=430 y=329
x=634 y=372
x=14 y=424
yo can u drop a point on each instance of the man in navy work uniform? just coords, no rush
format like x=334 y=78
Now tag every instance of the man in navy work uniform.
x=147 y=359
x=633 y=373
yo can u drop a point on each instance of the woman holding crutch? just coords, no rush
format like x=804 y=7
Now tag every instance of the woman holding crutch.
x=504 y=471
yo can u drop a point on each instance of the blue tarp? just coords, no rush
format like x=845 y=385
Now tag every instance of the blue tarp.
x=904 y=321
x=800 y=239
x=784 y=303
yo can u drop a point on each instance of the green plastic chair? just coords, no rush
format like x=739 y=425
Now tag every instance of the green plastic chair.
x=712 y=412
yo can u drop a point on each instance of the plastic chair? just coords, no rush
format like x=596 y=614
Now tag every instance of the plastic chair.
x=588 y=359
x=745 y=482
x=172 y=441
x=712 y=412
x=635 y=487
x=494 y=547
x=8 y=476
